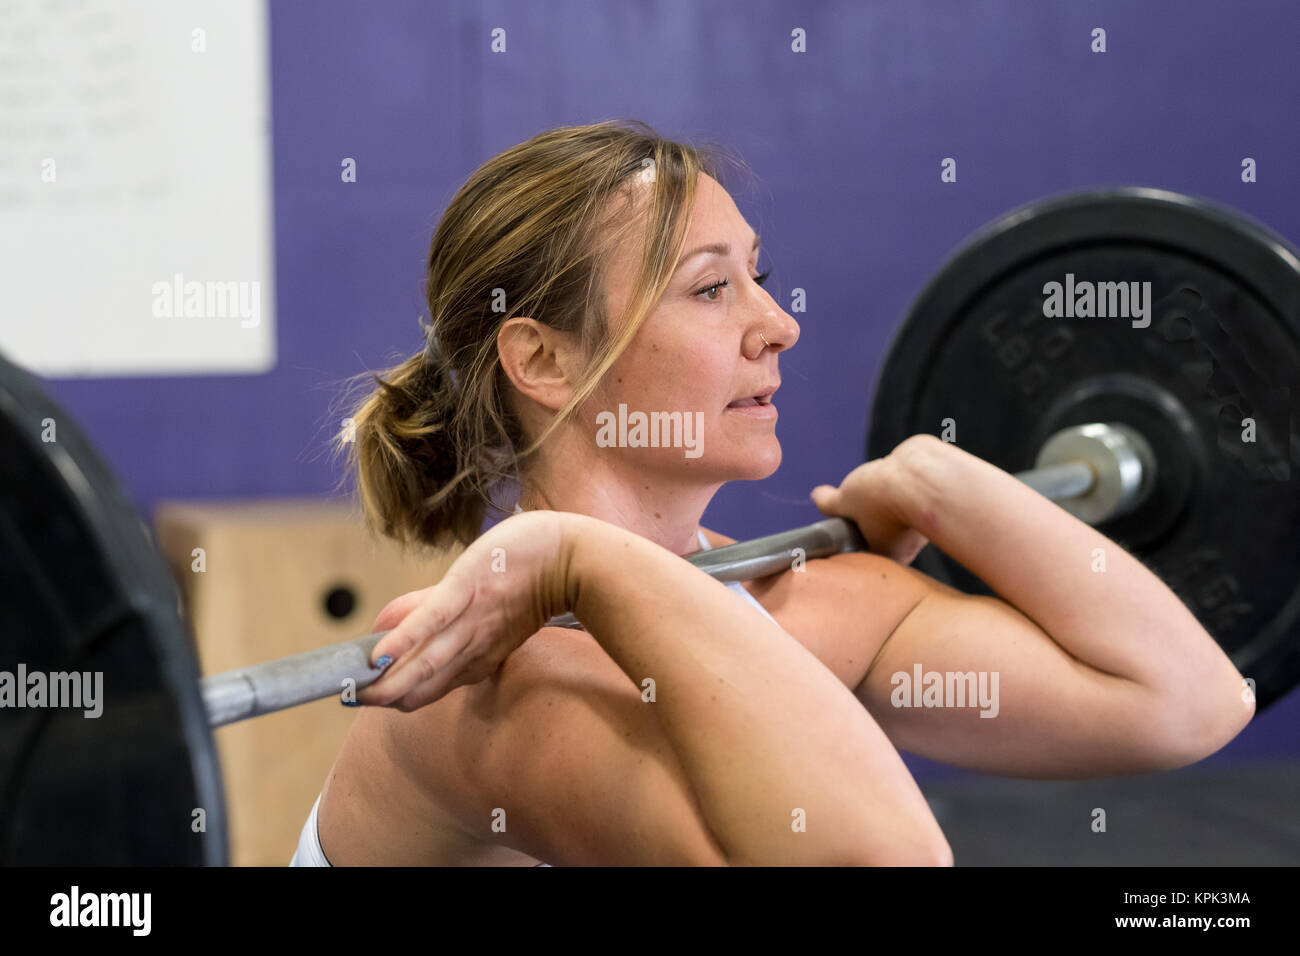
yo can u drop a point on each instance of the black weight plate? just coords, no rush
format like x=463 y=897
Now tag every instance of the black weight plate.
x=83 y=591
x=1223 y=527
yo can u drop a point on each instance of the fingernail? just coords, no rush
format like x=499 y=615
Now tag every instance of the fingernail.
x=383 y=662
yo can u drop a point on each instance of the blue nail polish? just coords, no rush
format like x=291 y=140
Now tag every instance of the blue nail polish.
x=350 y=703
x=383 y=662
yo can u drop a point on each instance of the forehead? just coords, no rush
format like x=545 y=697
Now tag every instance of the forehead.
x=715 y=210
x=714 y=218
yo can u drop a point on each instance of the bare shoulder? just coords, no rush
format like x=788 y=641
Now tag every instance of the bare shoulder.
x=842 y=608
x=560 y=749
x=484 y=748
x=395 y=794
x=423 y=772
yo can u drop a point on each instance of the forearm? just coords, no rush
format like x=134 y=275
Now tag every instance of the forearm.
x=760 y=726
x=1101 y=604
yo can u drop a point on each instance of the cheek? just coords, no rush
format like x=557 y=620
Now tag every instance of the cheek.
x=675 y=370
x=636 y=381
x=653 y=370
x=708 y=377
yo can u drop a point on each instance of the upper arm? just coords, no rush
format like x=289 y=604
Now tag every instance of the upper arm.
x=560 y=747
x=843 y=608
x=873 y=622
x=1049 y=715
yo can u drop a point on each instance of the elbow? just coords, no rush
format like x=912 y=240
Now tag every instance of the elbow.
x=1192 y=736
x=932 y=856
x=940 y=855
x=1222 y=730
x=936 y=855
x=925 y=849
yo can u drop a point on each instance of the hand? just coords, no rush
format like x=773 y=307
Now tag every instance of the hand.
x=499 y=592
x=872 y=496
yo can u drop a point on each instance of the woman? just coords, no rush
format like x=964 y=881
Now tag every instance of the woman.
x=691 y=722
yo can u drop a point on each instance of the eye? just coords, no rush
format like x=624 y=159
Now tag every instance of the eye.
x=758 y=279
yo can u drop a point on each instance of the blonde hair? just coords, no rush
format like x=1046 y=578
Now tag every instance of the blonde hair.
x=436 y=437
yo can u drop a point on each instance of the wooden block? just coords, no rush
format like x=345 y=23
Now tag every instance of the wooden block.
x=255 y=578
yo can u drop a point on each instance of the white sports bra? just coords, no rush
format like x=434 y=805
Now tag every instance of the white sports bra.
x=736 y=585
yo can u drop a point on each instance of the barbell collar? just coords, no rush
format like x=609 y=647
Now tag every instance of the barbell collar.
x=1121 y=462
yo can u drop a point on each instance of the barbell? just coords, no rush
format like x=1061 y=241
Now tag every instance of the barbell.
x=1097 y=470
x=1146 y=423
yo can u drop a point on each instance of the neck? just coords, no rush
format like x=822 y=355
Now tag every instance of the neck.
x=665 y=513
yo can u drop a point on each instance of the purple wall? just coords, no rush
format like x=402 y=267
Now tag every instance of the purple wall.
x=846 y=140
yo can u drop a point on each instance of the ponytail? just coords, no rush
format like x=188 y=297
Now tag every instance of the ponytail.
x=413 y=486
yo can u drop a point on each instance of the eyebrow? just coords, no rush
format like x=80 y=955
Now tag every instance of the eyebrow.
x=716 y=248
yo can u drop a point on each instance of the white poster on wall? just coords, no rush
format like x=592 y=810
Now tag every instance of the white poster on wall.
x=135 y=187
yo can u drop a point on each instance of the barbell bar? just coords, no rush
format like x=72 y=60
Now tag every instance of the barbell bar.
x=1097 y=471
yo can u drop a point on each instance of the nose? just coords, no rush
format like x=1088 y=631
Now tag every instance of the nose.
x=772 y=328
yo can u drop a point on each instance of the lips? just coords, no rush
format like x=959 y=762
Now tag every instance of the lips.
x=760 y=398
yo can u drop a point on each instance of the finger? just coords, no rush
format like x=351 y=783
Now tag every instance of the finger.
x=420 y=666
x=827 y=500
x=396 y=609
x=429 y=691
x=458 y=673
x=441 y=605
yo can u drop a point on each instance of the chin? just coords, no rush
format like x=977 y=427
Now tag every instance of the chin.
x=760 y=463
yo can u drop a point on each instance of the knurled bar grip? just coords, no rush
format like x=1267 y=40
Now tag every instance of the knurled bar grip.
x=288 y=681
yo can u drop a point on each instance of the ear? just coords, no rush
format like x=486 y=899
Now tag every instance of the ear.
x=541 y=362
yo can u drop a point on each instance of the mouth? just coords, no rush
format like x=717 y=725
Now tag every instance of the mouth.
x=759 y=399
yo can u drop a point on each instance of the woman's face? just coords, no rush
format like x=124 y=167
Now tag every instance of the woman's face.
x=700 y=353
